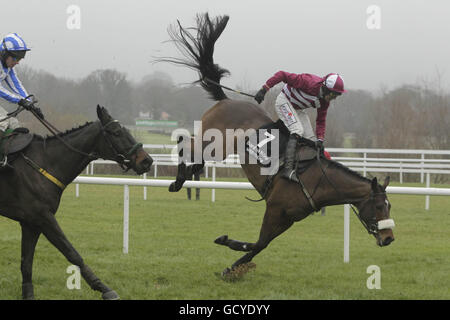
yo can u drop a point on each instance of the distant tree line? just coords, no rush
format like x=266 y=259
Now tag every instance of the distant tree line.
x=410 y=116
x=67 y=102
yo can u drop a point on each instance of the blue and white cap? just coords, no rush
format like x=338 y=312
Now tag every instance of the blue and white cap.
x=13 y=42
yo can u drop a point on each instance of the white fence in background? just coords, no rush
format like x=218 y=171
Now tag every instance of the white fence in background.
x=365 y=164
x=418 y=164
x=236 y=186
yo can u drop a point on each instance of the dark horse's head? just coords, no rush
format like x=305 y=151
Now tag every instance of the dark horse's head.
x=374 y=213
x=120 y=146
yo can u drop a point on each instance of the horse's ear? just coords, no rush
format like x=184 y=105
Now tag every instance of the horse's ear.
x=386 y=182
x=374 y=184
x=102 y=113
x=99 y=112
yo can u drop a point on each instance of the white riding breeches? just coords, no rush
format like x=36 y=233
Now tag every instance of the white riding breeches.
x=297 y=121
x=11 y=123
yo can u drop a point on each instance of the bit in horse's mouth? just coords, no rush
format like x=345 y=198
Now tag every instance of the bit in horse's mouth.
x=144 y=166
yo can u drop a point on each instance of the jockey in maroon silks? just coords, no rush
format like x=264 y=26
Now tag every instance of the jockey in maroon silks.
x=302 y=91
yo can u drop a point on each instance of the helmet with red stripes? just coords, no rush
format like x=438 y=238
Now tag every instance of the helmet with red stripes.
x=334 y=82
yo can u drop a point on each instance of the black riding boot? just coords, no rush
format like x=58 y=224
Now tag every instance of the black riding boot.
x=3 y=158
x=289 y=162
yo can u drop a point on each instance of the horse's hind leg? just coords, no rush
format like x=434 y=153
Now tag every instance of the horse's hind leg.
x=184 y=172
x=182 y=175
x=30 y=237
x=180 y=179
x=56 y=236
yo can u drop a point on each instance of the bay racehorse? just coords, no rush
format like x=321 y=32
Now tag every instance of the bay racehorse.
x=326 y=182
x=30 y=193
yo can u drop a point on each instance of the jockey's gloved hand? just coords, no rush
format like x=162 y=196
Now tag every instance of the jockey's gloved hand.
x=38 y=112
x=259 y=97
x=34 y=99
x=27 y=104
x=319 y=145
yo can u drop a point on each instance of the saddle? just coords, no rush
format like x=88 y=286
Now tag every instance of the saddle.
x=306 y=154
x=13 y=141
x=264 y=155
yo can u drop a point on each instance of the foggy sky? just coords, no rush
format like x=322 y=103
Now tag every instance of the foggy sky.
x=261 y=38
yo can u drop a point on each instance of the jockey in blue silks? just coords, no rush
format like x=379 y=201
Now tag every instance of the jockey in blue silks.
x=12 y=49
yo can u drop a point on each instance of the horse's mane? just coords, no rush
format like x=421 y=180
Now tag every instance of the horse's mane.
x=337 y=165
x=62 y=134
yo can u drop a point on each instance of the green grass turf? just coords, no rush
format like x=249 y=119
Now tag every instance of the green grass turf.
x=172 y=254
x=146 y=137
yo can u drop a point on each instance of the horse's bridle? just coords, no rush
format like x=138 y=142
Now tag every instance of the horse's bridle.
x=372 y=226
x=121 y=159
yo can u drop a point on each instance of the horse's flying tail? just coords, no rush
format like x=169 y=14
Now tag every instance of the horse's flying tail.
x=198 y=51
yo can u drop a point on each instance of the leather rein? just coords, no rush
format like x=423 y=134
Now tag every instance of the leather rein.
x=121 y=159
x=370 y=226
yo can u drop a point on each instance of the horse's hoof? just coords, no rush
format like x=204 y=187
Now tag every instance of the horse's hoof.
x=175 y=186
x=27 y=291
x=226 y=272
x=221 y=240
x=110 y=295
x=236 y=273
x=172 y=187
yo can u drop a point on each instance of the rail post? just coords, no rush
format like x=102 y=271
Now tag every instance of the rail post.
x=346 y=233
x=126 y=217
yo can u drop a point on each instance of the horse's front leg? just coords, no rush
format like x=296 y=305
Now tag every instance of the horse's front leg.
x=56 y=236
x=275 y=223
x=30 y=236
x=184 y=172
x=234 y=244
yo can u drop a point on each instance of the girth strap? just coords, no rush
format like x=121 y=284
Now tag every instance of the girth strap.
x=61 y=185
x=264 y=190
x=308 y=196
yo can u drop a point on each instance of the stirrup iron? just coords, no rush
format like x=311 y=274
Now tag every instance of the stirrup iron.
x=292 y=176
